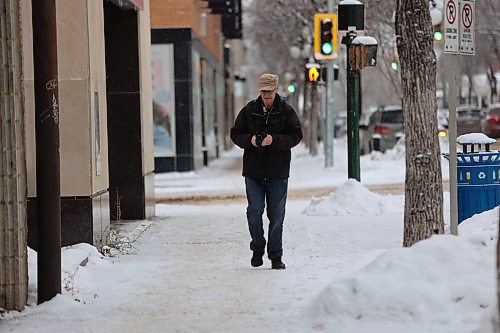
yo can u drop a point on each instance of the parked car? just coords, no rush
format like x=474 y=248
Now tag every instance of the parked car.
x=468 y=119
x=364 y=121
x=385 y=127
x=490 y=124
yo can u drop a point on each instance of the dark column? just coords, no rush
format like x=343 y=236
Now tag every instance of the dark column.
x=126 y=180
x=47 y=148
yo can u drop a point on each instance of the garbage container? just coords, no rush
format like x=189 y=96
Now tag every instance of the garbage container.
x=478 y=176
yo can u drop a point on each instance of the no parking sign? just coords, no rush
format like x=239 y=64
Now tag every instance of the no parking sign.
x=451 y=41
x=459 y=21
x=467 y=21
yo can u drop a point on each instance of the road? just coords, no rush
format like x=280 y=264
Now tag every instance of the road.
x=238 y=196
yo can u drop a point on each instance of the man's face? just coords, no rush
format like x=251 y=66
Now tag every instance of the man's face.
x=268 y=96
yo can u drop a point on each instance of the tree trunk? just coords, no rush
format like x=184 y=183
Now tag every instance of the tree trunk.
x=423 y=216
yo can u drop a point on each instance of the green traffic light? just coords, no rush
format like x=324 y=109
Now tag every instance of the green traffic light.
x=394 y=65
x=438 y=35
x=291 y=88
x=327 y=48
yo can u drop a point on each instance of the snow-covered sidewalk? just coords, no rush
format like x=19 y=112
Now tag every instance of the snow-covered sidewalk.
x=346 y=271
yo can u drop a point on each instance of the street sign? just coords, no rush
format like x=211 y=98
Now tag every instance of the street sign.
x=467 y=21
x=451 y=41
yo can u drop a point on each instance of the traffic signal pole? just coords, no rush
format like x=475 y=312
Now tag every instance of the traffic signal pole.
x=330 y=113
x=353 y=111
x=351 y=19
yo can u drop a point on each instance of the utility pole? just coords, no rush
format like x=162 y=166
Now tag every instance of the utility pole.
x=330 y=113
x=47 y=149
x=314 y=120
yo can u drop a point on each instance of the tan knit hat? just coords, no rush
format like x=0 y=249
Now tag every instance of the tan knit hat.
x=267 y=81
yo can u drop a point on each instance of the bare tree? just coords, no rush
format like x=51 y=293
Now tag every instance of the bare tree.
x=423 y=214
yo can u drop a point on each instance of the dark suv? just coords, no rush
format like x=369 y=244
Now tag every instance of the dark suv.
x=385 y=128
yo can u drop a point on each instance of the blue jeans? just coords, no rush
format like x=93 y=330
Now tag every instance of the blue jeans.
x=273 y=193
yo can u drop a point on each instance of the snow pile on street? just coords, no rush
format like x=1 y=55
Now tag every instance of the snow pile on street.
x=352 y=198
x=442 y=284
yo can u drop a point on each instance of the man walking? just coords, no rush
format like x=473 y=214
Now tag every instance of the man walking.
x=266 y=128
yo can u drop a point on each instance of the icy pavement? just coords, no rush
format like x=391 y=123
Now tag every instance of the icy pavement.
x=188 y=269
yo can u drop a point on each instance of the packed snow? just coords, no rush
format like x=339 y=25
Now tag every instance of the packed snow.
x=188 y=269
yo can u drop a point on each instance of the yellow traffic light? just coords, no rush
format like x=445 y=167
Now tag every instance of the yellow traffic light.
x=325 y=36
x=313 y=72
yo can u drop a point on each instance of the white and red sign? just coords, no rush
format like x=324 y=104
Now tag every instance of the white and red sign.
x=467 y=23
x=451 y=40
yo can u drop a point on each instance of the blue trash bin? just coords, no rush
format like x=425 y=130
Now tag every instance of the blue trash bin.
x=478 y=180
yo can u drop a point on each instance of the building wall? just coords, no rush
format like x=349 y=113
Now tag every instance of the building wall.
x=97 y=82
x=80 y=44
x=82 y=130
x=29 y=95
x=148 y=163
x=187 y=14
x=146 y=88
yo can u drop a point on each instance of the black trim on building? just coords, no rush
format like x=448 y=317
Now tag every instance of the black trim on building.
x=127 y=186
x=84 y=219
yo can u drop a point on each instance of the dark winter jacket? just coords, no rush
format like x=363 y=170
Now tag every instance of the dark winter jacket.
x=282 y=123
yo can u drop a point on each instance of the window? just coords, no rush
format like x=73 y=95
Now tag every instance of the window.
x=392 y=117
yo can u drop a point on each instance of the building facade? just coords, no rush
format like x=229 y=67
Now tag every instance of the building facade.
x=106 y=150
x=190 y=89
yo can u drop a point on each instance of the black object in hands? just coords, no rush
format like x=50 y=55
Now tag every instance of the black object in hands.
x=259 y=137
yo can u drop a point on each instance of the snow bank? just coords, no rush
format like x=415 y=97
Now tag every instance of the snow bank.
x=352 y=198
x=442 y=284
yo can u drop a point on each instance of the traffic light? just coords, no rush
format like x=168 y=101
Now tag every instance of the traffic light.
x=325 y=36
x=438 y=33
x=290 y=88
x=394 y=62
x=326 y=43
x=313 y=72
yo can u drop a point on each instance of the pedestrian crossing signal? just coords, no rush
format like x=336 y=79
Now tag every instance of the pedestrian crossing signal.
x=313 y=72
